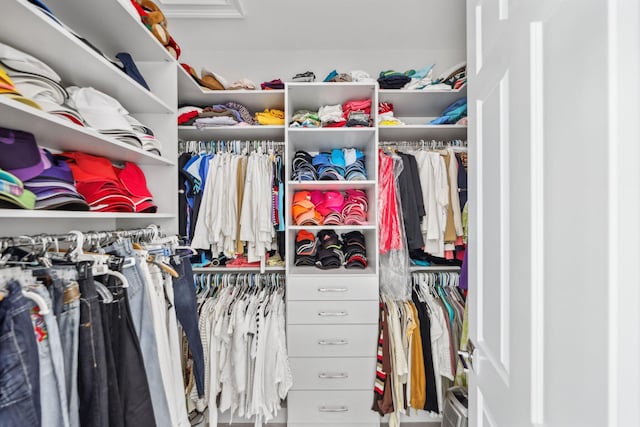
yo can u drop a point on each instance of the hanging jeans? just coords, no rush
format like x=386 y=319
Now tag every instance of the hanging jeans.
x=92 y=366
x=53 y=393
x=184 y=298
x=129 y=396
x=19 y=366
x=142 y=319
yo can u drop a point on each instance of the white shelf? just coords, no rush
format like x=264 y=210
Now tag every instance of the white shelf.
x=332 y=130
x=191 y=133
x=315 y=228
x=111 y=28
x=308 y=271
x=420 y=103
x=419 y=268
x=44 y=214
x=330 y=185
x=268 y=269
x=60 y=134
x=191 y=93
x=74 y=61
x=412 y=132
x=387 y=92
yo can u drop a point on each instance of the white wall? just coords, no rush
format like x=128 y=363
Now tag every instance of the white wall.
x=279 y=38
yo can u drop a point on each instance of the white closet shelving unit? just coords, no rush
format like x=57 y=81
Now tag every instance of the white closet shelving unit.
x=32 y=31
x=332 y=315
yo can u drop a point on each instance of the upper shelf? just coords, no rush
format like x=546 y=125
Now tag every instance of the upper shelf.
x=420 y=103
x=73 y=60
x=100 y=26
x=422 y=132
x=190 y=93
x=57 y=133
x=192 y=133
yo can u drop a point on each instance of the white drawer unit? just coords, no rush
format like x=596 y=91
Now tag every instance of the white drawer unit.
x=331 y=407
x=324 y=288
x=333 y=373
x=332 y=312
x=332 y=340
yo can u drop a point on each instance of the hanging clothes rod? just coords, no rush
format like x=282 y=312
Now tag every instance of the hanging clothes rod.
x=432 y=144
x=231 y=146
x=146 y=233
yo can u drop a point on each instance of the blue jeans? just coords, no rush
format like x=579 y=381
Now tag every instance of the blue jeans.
x=186 y=306
x=52 y=378
x=142 y=319
x=19 y=366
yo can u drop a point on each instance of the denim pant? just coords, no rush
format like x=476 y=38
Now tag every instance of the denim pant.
x=129 y=396
x=65 y=294
x=19 y=366
x=92 y=369
x=142 y=320
x=53 y=393
x=184 y=299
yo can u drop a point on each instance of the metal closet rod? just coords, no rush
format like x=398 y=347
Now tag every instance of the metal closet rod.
x=227 y=145
x=425 y=143
x=39 y=239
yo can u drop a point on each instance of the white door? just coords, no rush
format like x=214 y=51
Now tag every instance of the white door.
x=550 y=184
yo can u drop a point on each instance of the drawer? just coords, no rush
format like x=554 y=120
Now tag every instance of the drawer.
x=332 y=312
x=332 y=407
x=333 y=373
x=326 y=287
x=332 y=340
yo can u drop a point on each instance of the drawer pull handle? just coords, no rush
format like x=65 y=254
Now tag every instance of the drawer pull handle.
x=333 y=342
x=332 y=313
x=333 y=409
x=332 y=289
x=336 y=376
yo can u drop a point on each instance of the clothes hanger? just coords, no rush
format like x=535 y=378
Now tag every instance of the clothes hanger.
x=23 y=277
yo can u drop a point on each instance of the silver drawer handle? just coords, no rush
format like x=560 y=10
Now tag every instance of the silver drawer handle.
x=333 y=313
x=333 y=409
x=337 y=376
x=333 y=342
x=332 y=289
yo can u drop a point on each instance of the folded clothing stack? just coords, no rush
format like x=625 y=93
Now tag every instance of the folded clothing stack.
x=307 y=76
x=386 y=116
x=33 y=177
x=270 y=117
x=328 y=251
x=354 y=249
x=453 y=114
x=330 y=207
x=330 y=255
x=357 y=113
x=352 y=76
x=305 y=119
x=390 y=79
x=306 y=248
x=331 y=114
x=273 y=84
x=303 y=169
x=109 y=188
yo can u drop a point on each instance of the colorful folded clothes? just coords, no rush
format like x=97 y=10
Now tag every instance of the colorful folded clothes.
x=305 y=119
x=338 y=165
x=330 y=207
x=273 y=84
x=452 y=114
x=270 y=117
x=386 y=116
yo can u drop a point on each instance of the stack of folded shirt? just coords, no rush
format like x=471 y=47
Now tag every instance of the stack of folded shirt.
x=108 y=188
x=355 y=207
x=36 y=81
x=13 y=195
x=307 y=76
x=330 y=114
x=330 y=255
x=420 y=79
x=302 y=166
x=351 y=76
x=187 y=115
x=103 y=113
x=228 y=114
x=54 y=187
x=386 y=116
x=305 y=119
x=392 y=79
x=306 y=249
x=330 y=207
x=354 y=249
x=273 y=84
x=146 y=135
x=357 y=113
x=270 y=117
x=453 y=114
